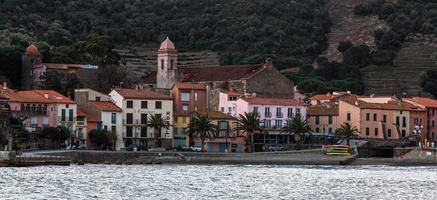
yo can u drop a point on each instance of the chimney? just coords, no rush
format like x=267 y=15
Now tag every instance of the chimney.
x=5 y=86
x=46 y=95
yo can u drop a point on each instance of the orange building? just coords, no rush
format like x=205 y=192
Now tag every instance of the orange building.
x=323 y=120
x=390 y=120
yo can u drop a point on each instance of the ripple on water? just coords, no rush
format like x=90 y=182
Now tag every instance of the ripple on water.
x=218 y=182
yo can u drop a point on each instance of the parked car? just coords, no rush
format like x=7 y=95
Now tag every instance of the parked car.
x=275 y=147
x=183 y=148
x=196 y=148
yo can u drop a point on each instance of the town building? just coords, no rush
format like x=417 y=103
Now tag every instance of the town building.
x=330 y=98
x=429 y=129
x=381 y=120
x=227 y=139
x=273 y=114
x=5 y=114
x=137 y=106
x=323 y=120
x=42 y=108
x=188 y=98
x=100 y=113
x=228 y=102
x=262 y=80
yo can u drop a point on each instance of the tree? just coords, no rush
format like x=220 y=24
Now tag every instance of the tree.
x=344 y=45
x=60 y=133
x=346 y=131
x=202 y=127
x=157 y=123
x=428 y=82
x=3 y=140
x=248 y=123
x=102 y=138
x=296 y=126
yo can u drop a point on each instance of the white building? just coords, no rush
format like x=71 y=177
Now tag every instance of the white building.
x=111 y=117
x=137 y=106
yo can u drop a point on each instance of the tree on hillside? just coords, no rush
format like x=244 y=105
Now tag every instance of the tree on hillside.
x=346 y=131
x=203 y=127
x=248 y=123
x=103 y=139
x=428 y=82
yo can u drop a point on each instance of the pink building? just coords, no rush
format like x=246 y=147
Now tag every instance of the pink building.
x=41 y=108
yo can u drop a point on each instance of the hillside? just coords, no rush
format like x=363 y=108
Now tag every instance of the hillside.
x=241 y=31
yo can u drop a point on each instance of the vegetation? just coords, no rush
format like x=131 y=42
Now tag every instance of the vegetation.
x=3 y=140
x=296 y=126
x=248 y=123
x=202 y=127
x=346 y=131
x=291 y=32
x=157 y=123
x=103 y=139
x=59 y=134
x=428 y=82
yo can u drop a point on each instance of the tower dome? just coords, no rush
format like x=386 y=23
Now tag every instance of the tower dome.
x=167 y=45
x=32 y=50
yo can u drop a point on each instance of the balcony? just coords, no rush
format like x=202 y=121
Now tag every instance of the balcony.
x=279 y=115
x=268 y=115
x=66 y=119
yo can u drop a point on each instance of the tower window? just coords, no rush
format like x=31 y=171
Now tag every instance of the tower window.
x=162 y=64
x=171 y=64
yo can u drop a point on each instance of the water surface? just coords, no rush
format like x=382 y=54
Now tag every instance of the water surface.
x=218 y=182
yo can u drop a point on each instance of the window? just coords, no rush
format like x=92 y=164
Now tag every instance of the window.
x=267 y=111
x=63 y=115
x=162 y=64
x=144 y=132
x=401 y=112
x=375 y=117
x=367 y=131
x=229 y=109
x=195 y=108
x=143 y=118
x=222 y=109
x=317 y=130
x=433 y=123
x=45 y=121
x=129 y=131
x=384 y=118
x=223 y=125
x=129 y=104
x=397 y=120
x=255 y=109
x=298 y=110
x=404 y=121
x=158 y=115
x=232 y=98
x=329 y=119
x=403 y=133
x=71 y=115
x=290 y=112
x=113 y=129
x=158 y=104
x=268 y=123
x=317 y=120
x=348 y=116
x=330 y=130
x=34 y=122
x=278 y=124
x=432 y=135
x=195 y=96
x=185 y=108
x=113 y=118
x=367 y=116
x=105 y=128
x=171 y=63
x=376 y=131
x=185 y=96
x=129 y=118
x=388 y=132
x=99 y=125
x=144 y=104
x=278 y=113
x=97 y=98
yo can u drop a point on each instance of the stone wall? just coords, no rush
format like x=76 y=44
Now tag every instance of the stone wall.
x=270 y=83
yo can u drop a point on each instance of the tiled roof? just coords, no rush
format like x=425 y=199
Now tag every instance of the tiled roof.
x=187 y=85
x=221 y=73
x=271 y=101
x=36 y=96
x=105 y=106
x=213 y=115
x=54 y=96
x=81 y=112
x=426 y=102
x=142 y=94
x=379 y=106
x=323 y=110
x=321 y=97
x=167 y=45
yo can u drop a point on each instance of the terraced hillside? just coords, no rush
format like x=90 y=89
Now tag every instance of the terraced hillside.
x=410 y=63
x=140 y=62
x=347 y=26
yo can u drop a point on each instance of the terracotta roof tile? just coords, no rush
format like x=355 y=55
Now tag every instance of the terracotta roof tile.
x=81 y=112
x=426 y=102
x=188 y=85
x=142 y=94
x=271 y=101
x=323 y=110
x=321 y=97
x=379 y=106
x=213 y=115
x=105 y=106
x=54 y=96
x=37 y=96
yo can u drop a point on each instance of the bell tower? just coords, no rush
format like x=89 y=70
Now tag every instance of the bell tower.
x=167 y=65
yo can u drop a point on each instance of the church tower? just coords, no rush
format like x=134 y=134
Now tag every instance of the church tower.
x=29 y=61
x=167 y=65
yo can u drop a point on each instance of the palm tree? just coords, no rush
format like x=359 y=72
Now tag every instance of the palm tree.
x=296 y=126
x=346 y=131
x=201 y=126
x=157 y=123
x=248 y=123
